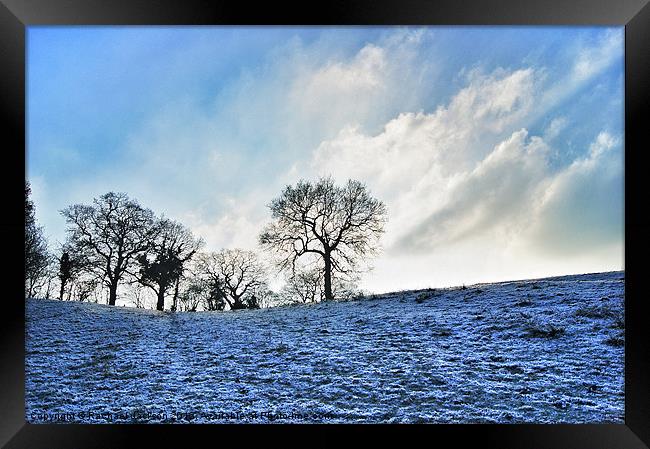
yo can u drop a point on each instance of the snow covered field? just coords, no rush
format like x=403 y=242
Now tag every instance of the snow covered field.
x=547 y=350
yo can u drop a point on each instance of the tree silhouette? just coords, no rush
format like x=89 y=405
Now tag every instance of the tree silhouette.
x=161 y=267
x=235 y=275
x=112 y=232
x=338 y=225
x=306 y=285
x=192 y=297
x=37 y=258
x=66 y=272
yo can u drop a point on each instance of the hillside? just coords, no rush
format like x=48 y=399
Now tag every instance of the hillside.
x=548 y=350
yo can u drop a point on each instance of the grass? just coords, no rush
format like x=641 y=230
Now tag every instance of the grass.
x=615 y=341
x=424 y=296
x=441 y=332
x=597 y=312
x=601 y=313
x=544 y=330
x=282 y=348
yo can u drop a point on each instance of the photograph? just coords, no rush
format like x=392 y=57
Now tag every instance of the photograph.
x=325 y=224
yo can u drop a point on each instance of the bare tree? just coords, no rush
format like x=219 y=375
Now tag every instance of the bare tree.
x=37 y=258
x=213 y=295
x=194 y=294
x=137 y=294
x=161 y=267
x=204 y=282
x=71 y=264
x=66 y=272
x=305 y=285
x=236 y=274
x=85 y=287
x=265 y=297
x=112 y=232
x=50 y=276
x=338 y=225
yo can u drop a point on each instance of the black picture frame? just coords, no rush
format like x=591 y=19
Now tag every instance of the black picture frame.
x=16 y=15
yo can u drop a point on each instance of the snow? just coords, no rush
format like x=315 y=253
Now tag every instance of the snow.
x=485 y=353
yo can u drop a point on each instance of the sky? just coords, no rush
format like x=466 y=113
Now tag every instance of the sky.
x=498 y=151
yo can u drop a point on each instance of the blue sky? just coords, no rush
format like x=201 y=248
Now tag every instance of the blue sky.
x=498 y=150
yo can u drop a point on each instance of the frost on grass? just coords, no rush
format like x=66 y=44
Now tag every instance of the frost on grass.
x=543 y=351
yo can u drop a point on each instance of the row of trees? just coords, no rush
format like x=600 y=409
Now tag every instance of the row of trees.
x=319 y=235
x=37 y=258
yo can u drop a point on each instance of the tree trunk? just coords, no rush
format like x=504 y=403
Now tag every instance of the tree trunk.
x=328 y=276
x=175 y=302
x=160 y=304
x=112 y=294
x=237 y=304
x=49 y=285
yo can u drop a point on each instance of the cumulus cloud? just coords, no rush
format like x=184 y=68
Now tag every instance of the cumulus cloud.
x=428 y=159
x=445 y=140
x=450 y=190
x=465 y=180
x=355 y=78
x=513 y=216
x=581 y=206
x=208 y=161
x=493 y=197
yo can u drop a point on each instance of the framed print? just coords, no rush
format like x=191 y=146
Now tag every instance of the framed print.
x=370 y=217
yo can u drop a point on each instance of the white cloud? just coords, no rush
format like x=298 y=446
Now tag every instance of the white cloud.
x=364 y=89
x=420 y=159
x=451 y=135
x=236 y=226
x=465 y=181
x=590 y=60
x=511 y=217
x=581 y=207
x=554 y=128
x=593 y=58
x=450 y=191
x=363 y=72
x=493 y=198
